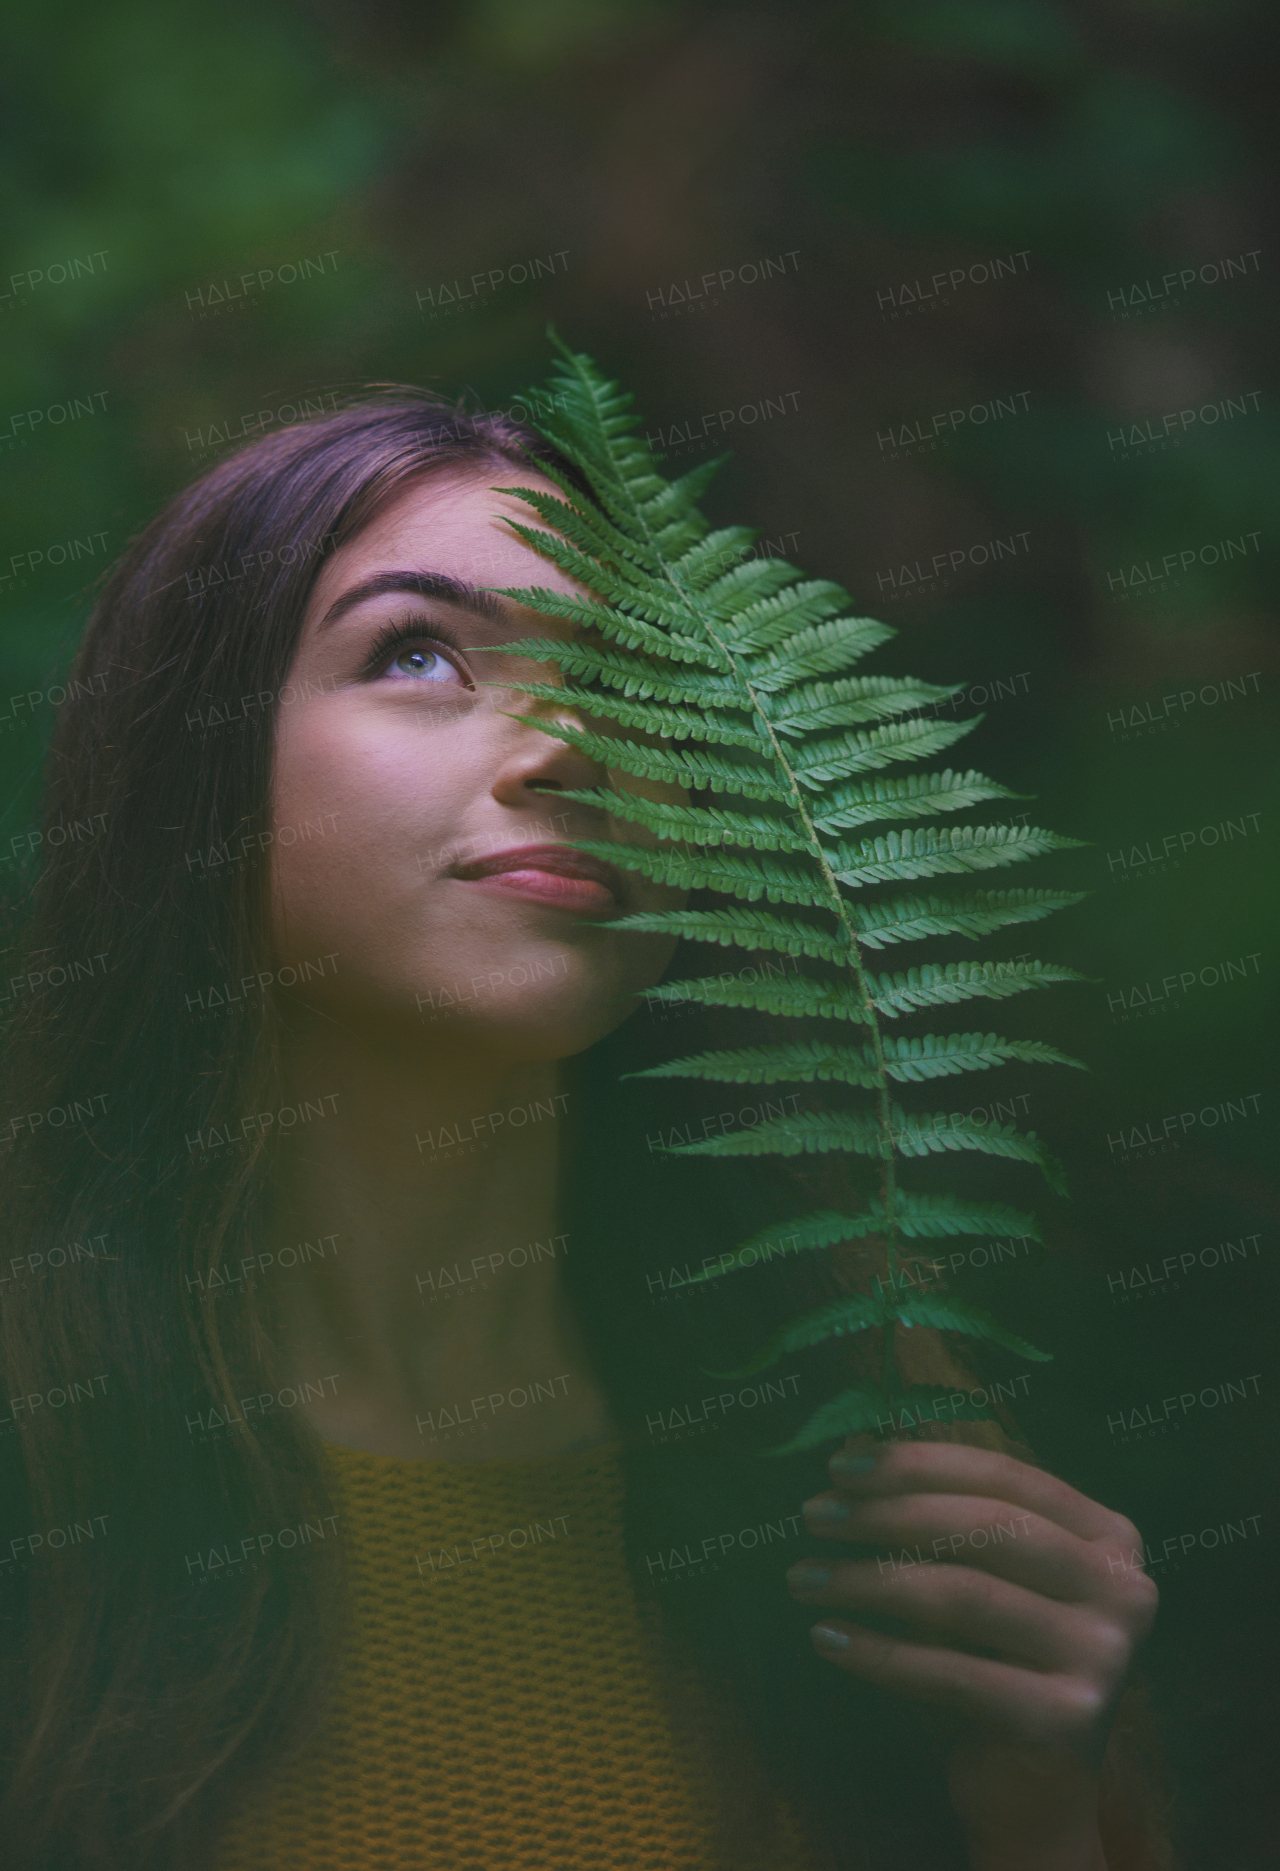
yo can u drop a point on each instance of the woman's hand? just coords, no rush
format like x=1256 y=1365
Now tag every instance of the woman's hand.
x=1022 y=1604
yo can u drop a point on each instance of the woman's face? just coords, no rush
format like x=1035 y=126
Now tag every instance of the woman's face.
x=416 y=822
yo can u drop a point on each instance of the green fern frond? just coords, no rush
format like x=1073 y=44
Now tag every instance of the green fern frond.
x=704 y=562
x=805 y=1234
x=917 y=795
x=742 y=596
x=864 y=1312
x=624 y=669
x=679 y=533
x=918 y=1216
x=801 y=996
x=675 y=724
x=686 y=635
x=590 y=531
x=820 y=650
x=916 y=739
x=814 y=1133
x=932 y=1133
x=728 y=872
x=613 y=624
x=931 y=851
x=772 y=1065
x=861 y=1312
x=955 y=1315
x=932 y=1217
x=860 y=1412
x=751 y=929
x=785 y=625
x=933 y=1055
x=699 y=825
x=689 y=768
x=937 y=1055
x=844 y=704
x=809 y=1133
x=932 y=986
x=654 y=607
x=978 y=913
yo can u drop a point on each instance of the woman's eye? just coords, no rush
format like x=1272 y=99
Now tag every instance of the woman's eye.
x=419 y=663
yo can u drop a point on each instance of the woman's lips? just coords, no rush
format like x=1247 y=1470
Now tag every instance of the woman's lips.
x=552 y=874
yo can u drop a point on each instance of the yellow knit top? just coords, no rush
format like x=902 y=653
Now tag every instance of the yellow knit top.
x=504 y=1702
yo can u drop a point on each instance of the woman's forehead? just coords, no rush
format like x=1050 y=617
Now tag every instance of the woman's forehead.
x=450 y=526
x=451 y=523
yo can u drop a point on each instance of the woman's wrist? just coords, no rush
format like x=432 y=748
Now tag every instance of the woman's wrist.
x=1021 y=1812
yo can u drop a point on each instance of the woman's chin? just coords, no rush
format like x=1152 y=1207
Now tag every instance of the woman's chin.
x=526 y=1034
x=540 y=1006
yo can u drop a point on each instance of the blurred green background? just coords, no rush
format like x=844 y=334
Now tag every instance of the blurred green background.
x=850 y=220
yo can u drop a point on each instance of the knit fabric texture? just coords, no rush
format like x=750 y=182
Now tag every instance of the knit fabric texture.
x=504 y=1703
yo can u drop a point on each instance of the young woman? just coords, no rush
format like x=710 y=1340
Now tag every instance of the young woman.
x=354 y=1513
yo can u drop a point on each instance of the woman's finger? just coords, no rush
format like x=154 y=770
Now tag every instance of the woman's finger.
x=1034 y=1706
x=864 y=1468
x=958 y=1605
x=968 y=1530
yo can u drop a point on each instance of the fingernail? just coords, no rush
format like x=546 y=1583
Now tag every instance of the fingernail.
x=807 y=1577
x=827 y=1638
x=842 y=1463
x=825 y=1511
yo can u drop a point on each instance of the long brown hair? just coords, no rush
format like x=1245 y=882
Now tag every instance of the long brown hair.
x=140 y=1709
x=132 y=1696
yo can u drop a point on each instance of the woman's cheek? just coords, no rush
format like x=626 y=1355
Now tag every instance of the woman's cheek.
x=345 y=827
x=664 y=897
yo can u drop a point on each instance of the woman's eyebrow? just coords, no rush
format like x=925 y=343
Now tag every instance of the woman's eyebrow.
x=457 y=591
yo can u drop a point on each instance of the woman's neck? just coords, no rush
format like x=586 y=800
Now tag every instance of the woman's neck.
x=428 y=1304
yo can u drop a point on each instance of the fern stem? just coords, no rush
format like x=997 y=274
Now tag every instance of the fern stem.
x=839 y=908
x=888 y=1180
